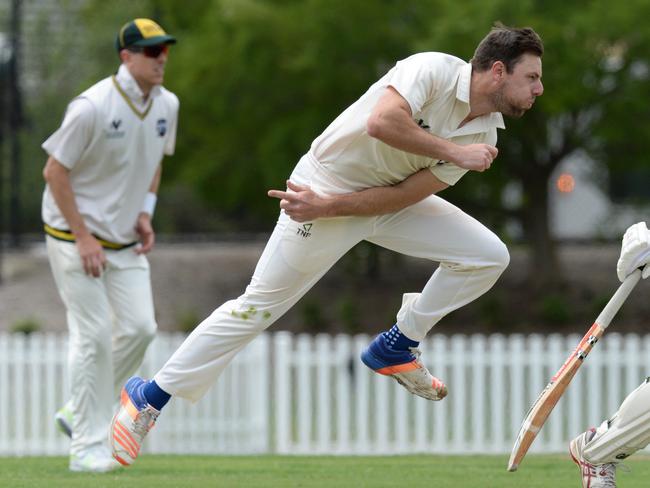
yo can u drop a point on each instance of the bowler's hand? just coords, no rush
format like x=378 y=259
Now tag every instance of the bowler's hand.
x=145 y=230
x=301 y=203
x=92 y=255
x=475 y=157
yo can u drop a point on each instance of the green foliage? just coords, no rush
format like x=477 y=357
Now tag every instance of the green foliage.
x=313 y=318
x=259 y=79
x=25 y=326
x=350 y=315
x=555 y=309
x=599 y=303
x=493 y=312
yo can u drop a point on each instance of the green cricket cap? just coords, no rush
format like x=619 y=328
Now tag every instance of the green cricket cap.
x=142 y=32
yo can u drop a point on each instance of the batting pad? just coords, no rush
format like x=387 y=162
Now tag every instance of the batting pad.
x=626 y=432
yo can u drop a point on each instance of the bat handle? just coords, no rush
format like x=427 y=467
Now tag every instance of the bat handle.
x=618 y=299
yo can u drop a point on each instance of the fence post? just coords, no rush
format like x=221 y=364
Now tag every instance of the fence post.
x=263 y=405
x=478 y=442
x=516 y=363
x=498 y=414
x=344 y=369
x=282 y=345
x=4 y=393
x=362 y=399
x=324 y=361
x=304 y=408
x=35 y=360
x=554 y=359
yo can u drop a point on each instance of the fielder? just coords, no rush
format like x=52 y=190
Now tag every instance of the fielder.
x=598 y=451
x=371 y=175
x=102 y=176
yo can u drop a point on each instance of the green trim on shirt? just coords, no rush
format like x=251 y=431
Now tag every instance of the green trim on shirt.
x=128 y=101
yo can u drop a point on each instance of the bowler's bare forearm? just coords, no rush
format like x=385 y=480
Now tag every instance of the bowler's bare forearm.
x=57 y=177
x=386 y=199
x=302 y=204
x=155 y=182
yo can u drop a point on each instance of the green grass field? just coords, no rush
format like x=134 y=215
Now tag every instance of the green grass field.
x=340 y=472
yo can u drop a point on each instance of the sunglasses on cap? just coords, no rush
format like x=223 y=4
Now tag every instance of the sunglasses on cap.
x=150 y=51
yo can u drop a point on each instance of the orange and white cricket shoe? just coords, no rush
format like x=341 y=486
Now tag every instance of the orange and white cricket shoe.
x=405 y=367
x=131 y=423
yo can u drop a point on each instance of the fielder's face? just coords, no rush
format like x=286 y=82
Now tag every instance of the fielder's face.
x=148 y=66
x=519 y=89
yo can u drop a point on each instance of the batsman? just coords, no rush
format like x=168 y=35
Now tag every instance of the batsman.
x=372 y=175
x=598 y=451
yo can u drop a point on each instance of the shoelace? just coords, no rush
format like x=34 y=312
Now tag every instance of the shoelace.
x=143 y=420
x=605 y=473
x=416 y=353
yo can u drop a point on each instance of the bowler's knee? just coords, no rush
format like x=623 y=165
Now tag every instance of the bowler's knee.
x=499 y=256
x=492 y=258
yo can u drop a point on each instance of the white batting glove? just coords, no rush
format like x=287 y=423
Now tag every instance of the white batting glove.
x=635 y=251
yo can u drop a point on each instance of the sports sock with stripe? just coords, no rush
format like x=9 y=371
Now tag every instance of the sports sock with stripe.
x=396 y=340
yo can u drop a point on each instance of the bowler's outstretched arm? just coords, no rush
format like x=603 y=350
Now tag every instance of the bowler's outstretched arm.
x=303 y=204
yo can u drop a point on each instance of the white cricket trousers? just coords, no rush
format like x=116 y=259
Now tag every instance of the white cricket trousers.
x=111 y=322
x=297 y=255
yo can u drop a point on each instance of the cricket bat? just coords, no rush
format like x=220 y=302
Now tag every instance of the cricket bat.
x=547 y=400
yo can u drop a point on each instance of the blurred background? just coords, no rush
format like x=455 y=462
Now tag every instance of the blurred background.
x=258 y=80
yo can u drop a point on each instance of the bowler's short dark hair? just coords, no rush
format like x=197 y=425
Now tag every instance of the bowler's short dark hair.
x=506 y=44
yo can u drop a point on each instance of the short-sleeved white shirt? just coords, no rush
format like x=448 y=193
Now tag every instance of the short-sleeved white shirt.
x=437 y=88
x=112 y=141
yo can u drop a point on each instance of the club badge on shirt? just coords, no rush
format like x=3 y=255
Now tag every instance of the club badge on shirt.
x=161 y=127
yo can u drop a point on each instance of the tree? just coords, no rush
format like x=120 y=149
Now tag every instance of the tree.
x=265 y=78
x=596 y=67
x=259 y=79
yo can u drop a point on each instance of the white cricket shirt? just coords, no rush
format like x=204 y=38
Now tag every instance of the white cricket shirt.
x=112 y=141
x=437 y=88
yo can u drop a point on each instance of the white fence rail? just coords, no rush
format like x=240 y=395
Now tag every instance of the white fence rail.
x=312 y=395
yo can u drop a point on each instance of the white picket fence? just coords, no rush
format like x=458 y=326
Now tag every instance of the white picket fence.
x=300 y=394
x=231 y=419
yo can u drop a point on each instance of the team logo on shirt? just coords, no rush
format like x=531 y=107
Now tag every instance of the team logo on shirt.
x=161 y=127
x=113 y=131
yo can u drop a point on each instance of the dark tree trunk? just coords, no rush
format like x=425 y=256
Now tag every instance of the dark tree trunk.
x=544 y=270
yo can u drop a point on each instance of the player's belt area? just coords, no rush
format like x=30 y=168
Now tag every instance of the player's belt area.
x=66 y=235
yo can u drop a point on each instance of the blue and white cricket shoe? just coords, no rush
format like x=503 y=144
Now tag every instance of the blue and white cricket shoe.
x=405 y=367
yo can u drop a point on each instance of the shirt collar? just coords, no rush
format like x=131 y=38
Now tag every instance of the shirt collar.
x=464 y=79
x=131 y=87
x=484 y=122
